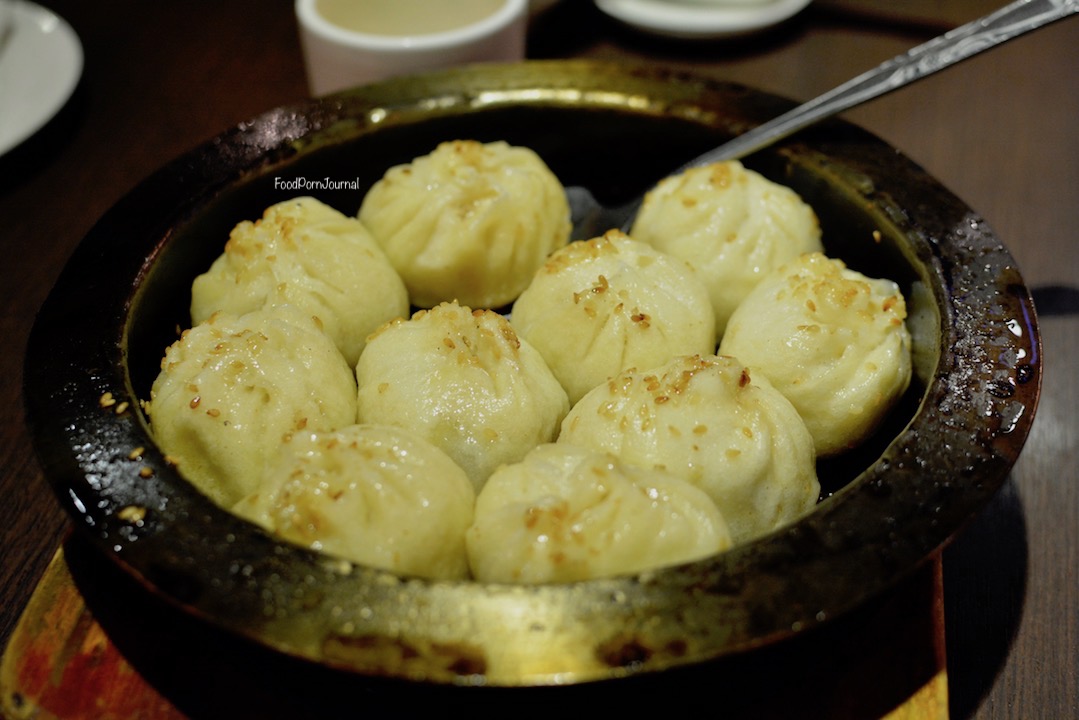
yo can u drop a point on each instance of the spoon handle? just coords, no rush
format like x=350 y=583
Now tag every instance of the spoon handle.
x=958 y=44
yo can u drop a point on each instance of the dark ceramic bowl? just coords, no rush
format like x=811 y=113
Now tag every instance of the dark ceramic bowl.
x=944 y=451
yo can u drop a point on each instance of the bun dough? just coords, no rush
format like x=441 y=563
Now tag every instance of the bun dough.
x=233 y=388
x=566 y=513
x=731 y=224
x=379 y=496
x=469 y=222
x=601 y=306
x=832 y=340
x=708 y=421
x=464 y=381
x=306 y=254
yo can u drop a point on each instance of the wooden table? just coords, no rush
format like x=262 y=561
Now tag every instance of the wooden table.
x=998 y=130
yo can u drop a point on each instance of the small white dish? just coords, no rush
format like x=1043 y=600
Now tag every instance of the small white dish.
x=40 y=65
x=337 y=57
x=700 y=19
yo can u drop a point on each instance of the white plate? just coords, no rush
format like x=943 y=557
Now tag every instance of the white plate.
x=40 y=65
x=700 y=19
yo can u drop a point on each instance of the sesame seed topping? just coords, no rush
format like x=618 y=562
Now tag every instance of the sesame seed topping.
x=132 y=514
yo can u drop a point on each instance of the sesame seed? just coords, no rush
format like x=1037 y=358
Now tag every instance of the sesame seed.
x=132 y=514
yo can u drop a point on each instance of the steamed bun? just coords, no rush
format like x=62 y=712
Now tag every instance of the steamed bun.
x=469 y=222
x=379 y=496
x=464 y=381
x=308 y=255
x=601 y=306
x=233 y=388
x=566 y=513
x=832 y=340
x=731 y=224
x=708 y=421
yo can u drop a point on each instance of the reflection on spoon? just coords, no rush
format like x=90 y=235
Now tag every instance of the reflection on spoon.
x=1018 y=18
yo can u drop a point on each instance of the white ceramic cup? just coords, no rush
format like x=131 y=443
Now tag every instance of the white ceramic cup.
x=338 y=57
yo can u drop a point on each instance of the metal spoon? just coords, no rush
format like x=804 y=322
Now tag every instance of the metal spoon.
x=1018 y=18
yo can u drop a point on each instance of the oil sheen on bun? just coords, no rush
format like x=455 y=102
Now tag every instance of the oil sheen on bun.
x=379 y=496
x=470 y=222
x=731 y=224
x=566 y=513
x=305 y=254
x=709 y=421
x=832 y=340
x=601 y=306
x=463 y=380
x=233 y=388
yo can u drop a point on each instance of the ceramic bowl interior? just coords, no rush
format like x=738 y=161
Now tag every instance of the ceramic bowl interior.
x=885 y=508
